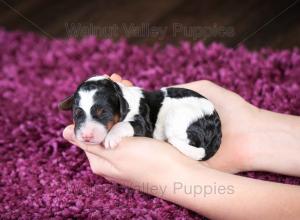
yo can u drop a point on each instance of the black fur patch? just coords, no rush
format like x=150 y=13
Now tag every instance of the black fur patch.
x=144 y=122
x=123 y=104
x=181 y=93
x=206 y=133
x=154 y=101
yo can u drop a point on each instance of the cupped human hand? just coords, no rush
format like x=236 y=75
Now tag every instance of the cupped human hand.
x=139 y=161
x=136 y=160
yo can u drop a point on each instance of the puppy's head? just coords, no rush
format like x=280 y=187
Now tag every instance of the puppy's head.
x=97 y=105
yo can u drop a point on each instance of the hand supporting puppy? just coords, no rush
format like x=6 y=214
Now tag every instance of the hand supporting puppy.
x=249 y=134
x=250 y=138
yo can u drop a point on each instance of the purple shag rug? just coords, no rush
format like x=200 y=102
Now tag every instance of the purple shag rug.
x=42 y=176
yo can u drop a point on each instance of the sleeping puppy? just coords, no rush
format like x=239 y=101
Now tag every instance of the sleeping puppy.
x=105 y=111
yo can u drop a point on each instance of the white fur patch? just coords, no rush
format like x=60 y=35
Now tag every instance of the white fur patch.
x=176 y=114
x=190 y=151
x=87 y=101
x=174 y=118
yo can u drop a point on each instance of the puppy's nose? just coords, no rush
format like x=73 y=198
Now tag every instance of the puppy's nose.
x=87 y=136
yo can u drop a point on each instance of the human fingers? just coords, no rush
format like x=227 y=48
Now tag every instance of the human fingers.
x=116 y=77
x=127 y=83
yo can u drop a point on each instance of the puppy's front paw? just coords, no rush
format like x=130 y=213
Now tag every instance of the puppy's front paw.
x=112 y=140
x=115 y=135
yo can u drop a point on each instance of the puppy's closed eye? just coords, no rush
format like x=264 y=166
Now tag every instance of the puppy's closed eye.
x=78 y=113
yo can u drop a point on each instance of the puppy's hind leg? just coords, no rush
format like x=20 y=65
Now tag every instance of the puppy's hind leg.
x=196 y=153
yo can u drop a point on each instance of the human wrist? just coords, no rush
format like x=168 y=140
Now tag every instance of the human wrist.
x=279 y=122
x=275 y=143
x=161 y=181
x=180 y=178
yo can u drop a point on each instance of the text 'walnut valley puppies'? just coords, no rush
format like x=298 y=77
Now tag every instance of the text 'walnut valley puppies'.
x=105 y=111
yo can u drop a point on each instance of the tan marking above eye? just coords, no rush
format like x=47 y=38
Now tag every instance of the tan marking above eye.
x=114 y=121
x=99 y=111
x=109 y=125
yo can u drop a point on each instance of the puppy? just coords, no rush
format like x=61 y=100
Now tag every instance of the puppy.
x=105 y=111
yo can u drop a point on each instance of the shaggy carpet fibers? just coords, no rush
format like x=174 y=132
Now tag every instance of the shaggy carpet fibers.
x=43 y=176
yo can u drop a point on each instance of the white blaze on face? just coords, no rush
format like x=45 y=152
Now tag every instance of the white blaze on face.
x=90 y=127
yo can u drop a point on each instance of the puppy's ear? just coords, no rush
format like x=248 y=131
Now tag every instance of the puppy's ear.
x=124 y=107
x=67 y=103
